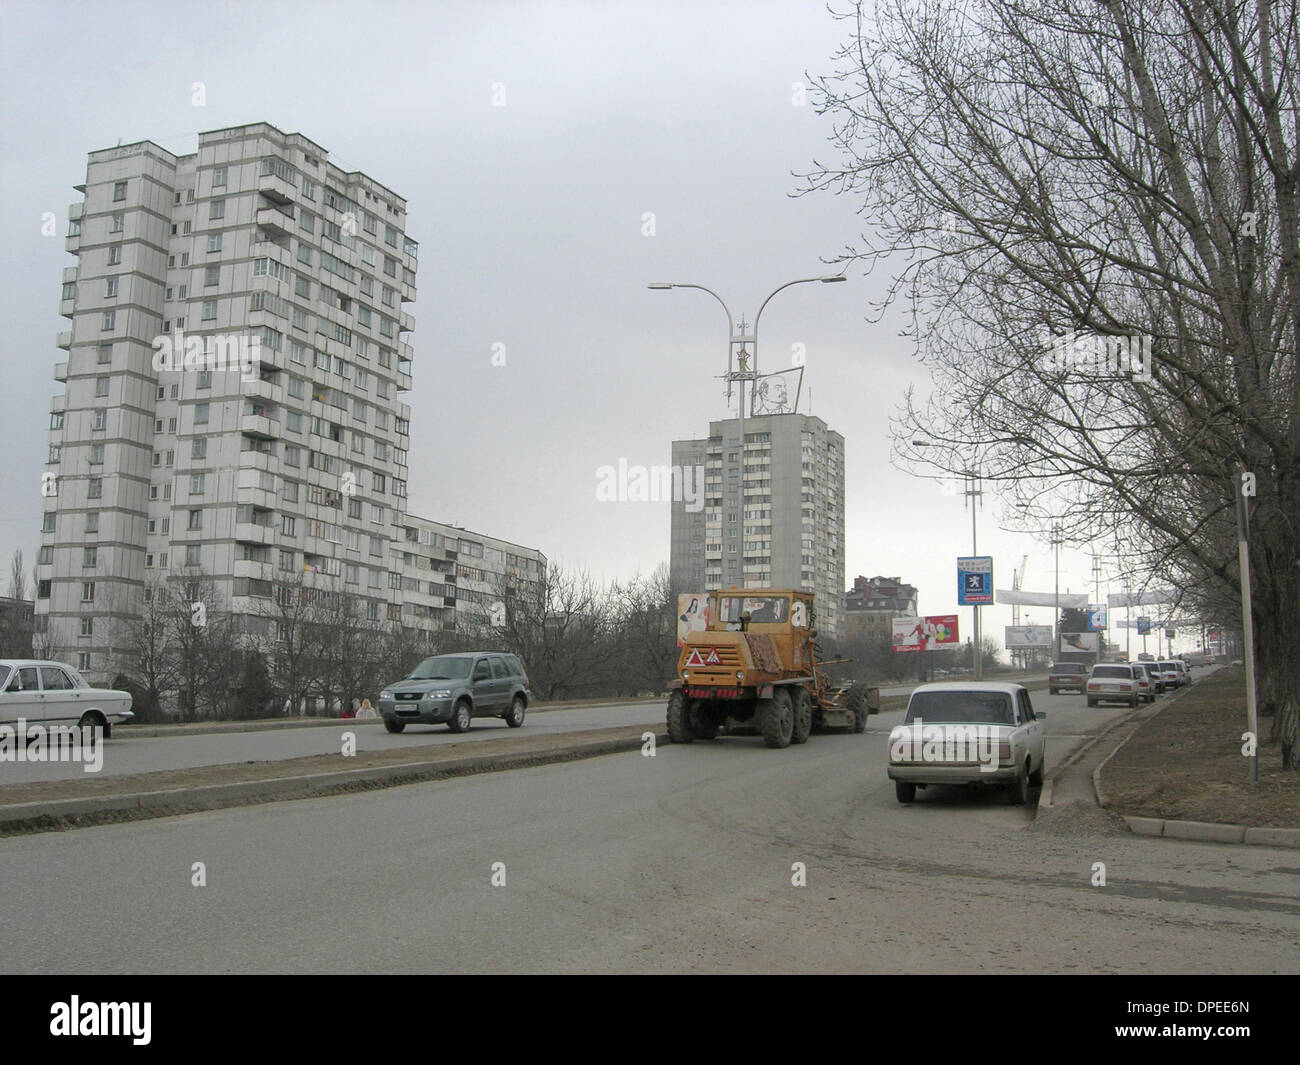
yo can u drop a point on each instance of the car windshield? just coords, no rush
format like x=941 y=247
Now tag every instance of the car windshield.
x=990 y=708
x=1113 y=671
x=445 y=667
x=761 y=608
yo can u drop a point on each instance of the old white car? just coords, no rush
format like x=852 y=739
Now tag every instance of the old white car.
x=968 y=733
x=43 y=692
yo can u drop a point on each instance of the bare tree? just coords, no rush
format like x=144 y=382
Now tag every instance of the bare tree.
x=1094 y=205
x=17 y=576
x=145 y=656
x=645 y=626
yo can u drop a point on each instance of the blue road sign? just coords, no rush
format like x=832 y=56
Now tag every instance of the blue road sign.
x=975 y=580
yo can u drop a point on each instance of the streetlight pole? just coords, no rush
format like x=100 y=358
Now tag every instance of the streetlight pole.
x=973 y=494
x=1056 y=625
x=745 y=373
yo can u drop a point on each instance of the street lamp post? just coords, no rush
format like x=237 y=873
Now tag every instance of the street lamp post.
x=746 y=372
x=1056 y=595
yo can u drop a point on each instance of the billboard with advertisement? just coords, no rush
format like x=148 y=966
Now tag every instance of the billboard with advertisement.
x=1144 y=626
x=925 y=634
x=1025 y=637
x=692 y=614
x=1097 y=617
x=1087 y=642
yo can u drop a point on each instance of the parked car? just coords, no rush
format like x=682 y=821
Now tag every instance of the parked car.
x=45 y=692
x=1157 y=678
x=1066 y=676
x=989 y=734
x=454 y=689
x=1115 y=682
x=1172 y=674
x=1184 y=671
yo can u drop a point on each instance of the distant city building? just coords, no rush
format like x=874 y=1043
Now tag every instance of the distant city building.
x=871 y=605
x=236 y=353
x=787 y=532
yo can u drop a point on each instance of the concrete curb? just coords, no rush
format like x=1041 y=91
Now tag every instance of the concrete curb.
x=1198 y=831
x=1049 y=783
x=68 y=813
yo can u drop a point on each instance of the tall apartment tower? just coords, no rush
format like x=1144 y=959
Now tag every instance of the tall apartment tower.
x=273 y=444
x=784 y=528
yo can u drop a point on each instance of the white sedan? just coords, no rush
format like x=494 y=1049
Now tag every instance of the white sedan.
x=42 y=692
x=968 y=733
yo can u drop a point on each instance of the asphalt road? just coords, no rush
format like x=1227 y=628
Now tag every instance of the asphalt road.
x=135 y=753
x=677 y=863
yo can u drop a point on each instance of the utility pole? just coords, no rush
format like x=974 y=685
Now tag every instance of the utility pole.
x=974 y=497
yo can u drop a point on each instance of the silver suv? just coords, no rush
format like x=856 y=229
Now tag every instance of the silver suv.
x=454 y=689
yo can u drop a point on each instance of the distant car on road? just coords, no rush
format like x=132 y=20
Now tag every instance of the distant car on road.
x=1172 y=674
x=968 y=733
x=1066 y=676
x=46 y=693
x=1157 y=678
x=454 y=689
x=1115 y=682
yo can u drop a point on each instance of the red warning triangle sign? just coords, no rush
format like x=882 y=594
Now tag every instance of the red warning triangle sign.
x=695 y=659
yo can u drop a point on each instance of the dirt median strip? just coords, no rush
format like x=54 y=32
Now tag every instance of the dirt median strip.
x=46 y=805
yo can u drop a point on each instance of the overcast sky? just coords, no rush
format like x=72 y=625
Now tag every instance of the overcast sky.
x=530 y=218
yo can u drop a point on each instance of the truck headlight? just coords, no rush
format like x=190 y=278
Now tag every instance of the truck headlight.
x=686 y=674
x=385 y=695
x=740 y=674
x=442 y=693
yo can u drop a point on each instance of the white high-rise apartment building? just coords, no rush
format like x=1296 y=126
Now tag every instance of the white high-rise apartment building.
x=276 y=443
x=779 y=525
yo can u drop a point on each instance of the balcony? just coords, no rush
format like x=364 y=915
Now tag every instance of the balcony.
x=406 y=323
x=67 y=308
x=258 y=460
x=258 y=571
x=259 y=426
x=248 y=532
x=408 y=292
x=276 y=188
x=275 y=221
x=69 y=275
x=72 y=244
x=254 y=495
x=58 y=404
x=60 y=371
x=64 y=340
x=76 y=211
x=263 y=390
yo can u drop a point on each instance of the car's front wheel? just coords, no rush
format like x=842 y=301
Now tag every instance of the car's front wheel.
x=515 y=717
x=393 y=725
x=460 y=717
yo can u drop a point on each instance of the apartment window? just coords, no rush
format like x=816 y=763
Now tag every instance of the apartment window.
x=290 y=492
x=219 y=176
x=119 y=191
x=185 y=258
x=119 y=223
x=368 y=223
x=216 y=210
x=47 y=522
x=297 y=388
x=101 y=386
x=211 y=275
x=293 y=421
x=157 y=459
x=390 y=236
x=110 y=320
x=110 y=288
x=89 y=556
x=105 y=353
x=96 y=454
x=214 y=242
x=92 y=522
x=288 y=525
x=192 y=555
x=308 y=188
x=209 y=310
x=148 y=564
x=56 y=420
x=359 y=443
x=87 y=591
x=99 y=419
x=197 y=482
x=390 y=266
x=377 y=482
x=363 y=315
x=389 y=296
x=83 y=661
x=201 y=413
x=70 y=290
x=199 y=447
x=304 y=253
x=56 y=453
x=115 y=255
x=286 y=562
x=307 y=222
x=363 y=380
x=376 y=547
x=205 y=379
x=292 y=455
x=298 y=353
x=196 y=520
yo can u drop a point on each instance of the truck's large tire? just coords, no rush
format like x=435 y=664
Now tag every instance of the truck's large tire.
x=679 y=722
x=776 y=719
x=857 y=705
x=802 y=727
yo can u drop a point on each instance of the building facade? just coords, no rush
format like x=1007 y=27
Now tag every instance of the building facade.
x=237 y=351
x=871 y=605
x=780 y=524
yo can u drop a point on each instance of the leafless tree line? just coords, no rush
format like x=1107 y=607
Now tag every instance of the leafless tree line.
x=1050 y=183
